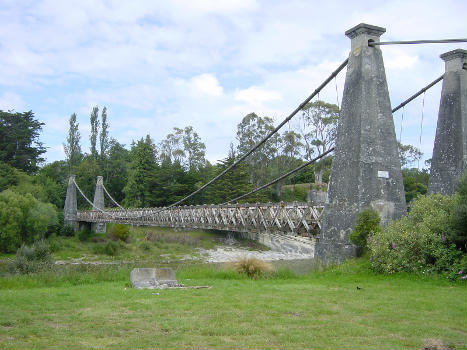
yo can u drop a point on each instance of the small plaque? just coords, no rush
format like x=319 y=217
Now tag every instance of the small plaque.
x=383 y=174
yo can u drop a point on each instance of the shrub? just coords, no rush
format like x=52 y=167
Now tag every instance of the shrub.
x=458 y=234
x=66 y=231
x=32 y=259
x=252 y=267
x=420 y=241
x=85 y=234
x=367 y=224
x=110 y=248
x=23 y=219
x=120 y=231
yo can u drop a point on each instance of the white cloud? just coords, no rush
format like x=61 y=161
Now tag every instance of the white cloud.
x=11 y=101
x=398 y=59
x=206 y=84
x=256 y=96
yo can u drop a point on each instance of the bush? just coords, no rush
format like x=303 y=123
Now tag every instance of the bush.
x=458 y=234
x=120 y=231
x=66 y=231
x=85 y=234
x=420 y=241
x=33 y=259
x=110 y=248
x=367 y=224
x=252 y=267
x=23 y=219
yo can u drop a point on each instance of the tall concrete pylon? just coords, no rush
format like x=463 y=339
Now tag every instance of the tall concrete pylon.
x=70 y=211
x=366 y=170
x=99 y=227
x=449 y=159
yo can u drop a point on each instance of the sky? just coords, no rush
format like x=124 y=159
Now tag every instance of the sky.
x=158 y=64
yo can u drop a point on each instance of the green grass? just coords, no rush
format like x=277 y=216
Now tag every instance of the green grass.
x=166 y=244
x=92 y=307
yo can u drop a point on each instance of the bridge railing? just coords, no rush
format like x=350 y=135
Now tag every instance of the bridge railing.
x=298 y=218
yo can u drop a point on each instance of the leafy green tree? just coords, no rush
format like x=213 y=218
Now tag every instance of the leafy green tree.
x=143 y=165
x=250 y=131
x=116 y=170
x=184 y=146
x=194 y=149
x=72 y=146
x=19 y=141
x=415 y=182
x=408 y=154
x=86 y=176
x=104 y=140
x=94 y=131
x=288 y=157
x=318 y=128
x=23 y=219
x=53 y=178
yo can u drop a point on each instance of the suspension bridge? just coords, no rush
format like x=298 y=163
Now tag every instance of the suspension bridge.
x=365 y=171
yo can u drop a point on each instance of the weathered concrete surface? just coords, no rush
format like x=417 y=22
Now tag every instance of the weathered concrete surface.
x=151 y=278
x=450 y=149
x=70 y=210
x=99 y=227
x=366 y=169
x=316 y=197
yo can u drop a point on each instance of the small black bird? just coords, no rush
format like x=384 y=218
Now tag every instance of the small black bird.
x=358 y=288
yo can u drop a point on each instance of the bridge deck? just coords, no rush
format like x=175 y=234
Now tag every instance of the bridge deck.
x=298 y=218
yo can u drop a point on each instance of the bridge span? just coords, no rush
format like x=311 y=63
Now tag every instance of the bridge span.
x=301 y=219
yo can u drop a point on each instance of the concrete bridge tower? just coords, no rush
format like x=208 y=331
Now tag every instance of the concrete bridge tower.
x=449 y=159
x=70 y=211
x=366 y=170
x=99 y=227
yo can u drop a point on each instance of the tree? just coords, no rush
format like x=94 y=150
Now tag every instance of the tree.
x=319 y=131
x=19 y=141
x=233 y=184
x=183 y=146
x=143 y=164
x=116 y=171
x=171 y=148
x=94 y=131
x=251 y=130
x=72 y=146
x=415 y=182
x=408 y=154
x=104 y=140
x=288 y=156
x=194 y=149
x=23 y=219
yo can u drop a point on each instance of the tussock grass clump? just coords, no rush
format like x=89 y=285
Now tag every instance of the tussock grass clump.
x=34 y=258
x=252 y=267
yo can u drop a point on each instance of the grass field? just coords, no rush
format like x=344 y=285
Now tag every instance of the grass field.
x=93 y=307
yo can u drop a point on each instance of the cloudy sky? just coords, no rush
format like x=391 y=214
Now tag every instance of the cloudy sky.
x=207 y=63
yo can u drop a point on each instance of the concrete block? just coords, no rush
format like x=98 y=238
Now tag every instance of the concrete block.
x=150 y=278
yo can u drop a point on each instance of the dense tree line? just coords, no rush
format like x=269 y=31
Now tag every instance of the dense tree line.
x=154 y=174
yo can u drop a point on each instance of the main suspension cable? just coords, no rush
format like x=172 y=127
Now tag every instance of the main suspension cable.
x=92 y=204
x=111 y=198
x=281 y=177
x=418 y=93
x=259 y=144
x=440 y=41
